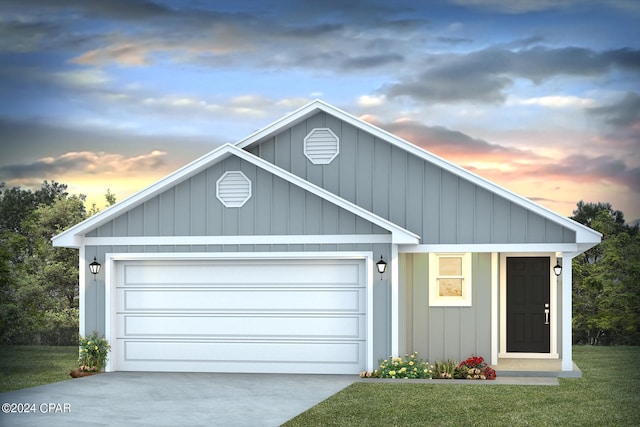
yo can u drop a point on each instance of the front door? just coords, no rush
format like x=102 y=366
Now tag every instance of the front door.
x=528 y=303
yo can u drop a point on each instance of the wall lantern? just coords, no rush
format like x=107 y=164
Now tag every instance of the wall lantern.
x=94 y=268
x=557 y=269
x=381 y=266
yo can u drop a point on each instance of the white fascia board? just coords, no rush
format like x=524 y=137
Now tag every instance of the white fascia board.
x=72 y=237
x=400 y=235
x=491 y=247
x=239 y=240
x=584 y=234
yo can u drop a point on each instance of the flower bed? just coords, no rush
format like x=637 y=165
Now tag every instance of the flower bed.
x=413 y=367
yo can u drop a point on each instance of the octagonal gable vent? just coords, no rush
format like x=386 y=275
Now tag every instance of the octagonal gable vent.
x=321 y=146
x=233 y=189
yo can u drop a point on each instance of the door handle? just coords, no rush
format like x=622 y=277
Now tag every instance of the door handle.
x=546 y=314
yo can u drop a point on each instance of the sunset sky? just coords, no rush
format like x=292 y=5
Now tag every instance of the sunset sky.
x=539 y=96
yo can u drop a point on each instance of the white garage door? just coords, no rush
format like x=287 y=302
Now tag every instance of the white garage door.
x=280 y=316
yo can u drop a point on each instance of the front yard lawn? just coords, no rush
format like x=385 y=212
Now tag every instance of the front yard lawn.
x=608 y=394
x=32 y=365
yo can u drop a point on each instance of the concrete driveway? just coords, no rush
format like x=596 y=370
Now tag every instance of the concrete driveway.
x=180 y=399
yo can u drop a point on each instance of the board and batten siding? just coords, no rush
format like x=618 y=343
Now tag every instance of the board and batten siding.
x=276 y=207
x=425 y=199
x=441 y=333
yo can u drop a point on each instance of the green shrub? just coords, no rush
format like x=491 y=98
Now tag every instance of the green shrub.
x=411 y=366
x=445 y=370
x=92 y=354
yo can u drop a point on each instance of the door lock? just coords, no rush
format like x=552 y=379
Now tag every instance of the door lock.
x=546 y=314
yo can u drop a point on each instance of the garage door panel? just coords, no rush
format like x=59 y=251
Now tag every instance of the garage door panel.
x=265 y=273
x=252 y=299
x=258 y=356
x=281 y=352
x=349 y=327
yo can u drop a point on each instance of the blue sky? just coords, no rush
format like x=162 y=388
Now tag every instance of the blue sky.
x=540 y=96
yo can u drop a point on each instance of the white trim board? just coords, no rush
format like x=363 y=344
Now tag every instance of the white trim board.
x=239 y=240
x=490 y=247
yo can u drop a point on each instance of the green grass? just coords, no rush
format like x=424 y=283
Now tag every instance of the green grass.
x=29 y=366
x=607 y=395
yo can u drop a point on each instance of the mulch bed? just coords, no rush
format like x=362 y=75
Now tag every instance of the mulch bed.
x=76 y=373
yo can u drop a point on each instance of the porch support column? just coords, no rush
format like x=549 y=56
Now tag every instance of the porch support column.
x=495 y=307
x=82 y=290
x=567 y=314
x=395 y=302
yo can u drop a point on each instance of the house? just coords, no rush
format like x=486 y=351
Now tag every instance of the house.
x=261 y=257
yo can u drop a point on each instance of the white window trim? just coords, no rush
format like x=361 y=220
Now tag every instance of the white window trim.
x=435 y=300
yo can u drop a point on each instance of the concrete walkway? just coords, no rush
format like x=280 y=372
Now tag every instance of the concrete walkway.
x=172 y=399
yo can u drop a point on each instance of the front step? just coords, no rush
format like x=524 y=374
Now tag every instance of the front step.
x=534 y=368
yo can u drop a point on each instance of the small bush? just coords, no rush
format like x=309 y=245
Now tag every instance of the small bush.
x=445 y=370
x=92 y=354
x=474 y=368
x=409 y=367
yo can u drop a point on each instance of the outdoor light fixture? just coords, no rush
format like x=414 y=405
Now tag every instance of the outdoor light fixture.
x=382 y=266
x=94 y=268
x=557 y=269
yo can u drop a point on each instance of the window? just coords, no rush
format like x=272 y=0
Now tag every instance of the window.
x=450 y=280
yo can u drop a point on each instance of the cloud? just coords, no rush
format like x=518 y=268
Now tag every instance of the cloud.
x=452 y=144
x=86 y=163
x=124 y=54
x=526 y=6
x=371 y=61
x=486 y=75
x=557 y=101
x=82 y=79
x=626 y=112
x=115 y=9
x=21 y=37
x=605 y=169
x=509 y=164
x=519 y=6
x=454 y=40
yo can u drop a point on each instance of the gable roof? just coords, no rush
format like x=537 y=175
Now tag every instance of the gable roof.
x=73 y=236
x=585 y=236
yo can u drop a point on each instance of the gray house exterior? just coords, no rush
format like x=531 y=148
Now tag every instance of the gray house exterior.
x=260 y=257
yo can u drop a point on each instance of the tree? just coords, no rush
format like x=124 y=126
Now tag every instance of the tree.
x=606 y=288
x=38 y=283
x=110 y=198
